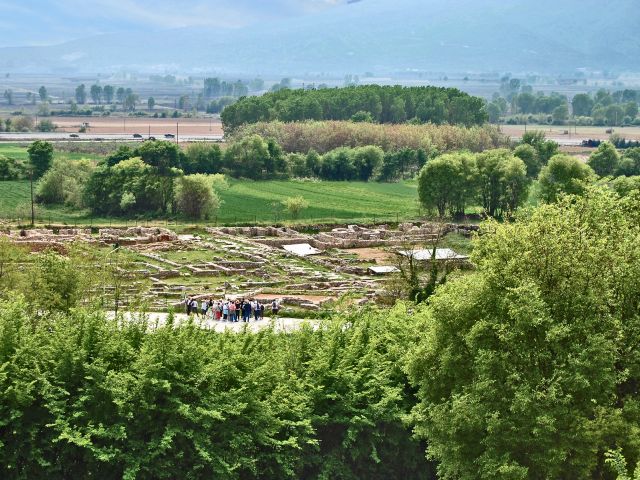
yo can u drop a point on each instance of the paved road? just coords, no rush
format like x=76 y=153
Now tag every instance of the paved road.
x=280 y=324
x=93 y=137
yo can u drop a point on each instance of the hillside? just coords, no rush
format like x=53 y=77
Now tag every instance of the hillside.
x=460 y=35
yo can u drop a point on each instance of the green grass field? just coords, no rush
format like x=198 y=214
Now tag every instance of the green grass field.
x=251 y=202
x=19 y=152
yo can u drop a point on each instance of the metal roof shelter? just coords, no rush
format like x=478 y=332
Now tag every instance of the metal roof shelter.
x=302 y=249
x=441 y=254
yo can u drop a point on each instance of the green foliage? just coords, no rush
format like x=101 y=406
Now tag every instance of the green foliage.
x=40 y=157
x=196 y=195
x=202 y=158
x=529 y=156
x=105 y=188
x=496 y=178
x=64 y=183
x=10 y=169
x=295 y=205
x=448 y=183
x=383 y=104
x=563 y=175
x=324 y=136
x=527 y=367
x=545 y=149
x=83 y=396
x=502 y=181
x=604 y=161
x=255 y=158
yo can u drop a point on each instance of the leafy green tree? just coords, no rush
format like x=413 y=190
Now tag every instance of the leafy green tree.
x=252 y=157
x=448 y=183
x=582 y=105
x=121 y=93
x=545 y=149
x=362 y=116
x=493 y=112
x=560 y=114
x=202 y=157
x=108 y=92
x=604 y=161
x=525 y=367
x=96 y=93
x=563 y=175
x=151 y=102
x=502 y=181
x=631 y=110
x=64 y=183
x=529 y=156
x=338 y=165
x=42 y=92
x=196 y=195
x=81 y=94
x=40 y=157
x=367 y=161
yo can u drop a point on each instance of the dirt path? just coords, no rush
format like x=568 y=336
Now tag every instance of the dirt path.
x=280 y=324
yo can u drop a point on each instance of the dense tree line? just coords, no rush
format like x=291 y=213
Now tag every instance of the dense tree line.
x=495 y=179
x=518 y=104
x=529 y=367
x=323 y=136
x=144 y=180
x=384 y=105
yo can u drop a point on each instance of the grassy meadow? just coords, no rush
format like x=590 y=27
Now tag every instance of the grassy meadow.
x=248 y=201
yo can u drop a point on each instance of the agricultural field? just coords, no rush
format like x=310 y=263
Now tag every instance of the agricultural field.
x=570 y=135
x=251 y=202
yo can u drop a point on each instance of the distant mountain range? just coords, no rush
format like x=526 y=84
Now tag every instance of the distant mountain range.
x=380 y=36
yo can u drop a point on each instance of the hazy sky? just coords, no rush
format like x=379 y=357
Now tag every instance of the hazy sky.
x=39 y=22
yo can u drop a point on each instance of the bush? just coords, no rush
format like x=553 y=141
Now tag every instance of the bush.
x=564 y=175
x=295 y=205
x=10 y=169
x=196 y=195
x=64 y=183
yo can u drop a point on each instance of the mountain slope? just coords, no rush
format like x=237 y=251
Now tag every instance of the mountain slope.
x=375 y=35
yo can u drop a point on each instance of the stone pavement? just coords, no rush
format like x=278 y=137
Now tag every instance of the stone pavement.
x=280 y=324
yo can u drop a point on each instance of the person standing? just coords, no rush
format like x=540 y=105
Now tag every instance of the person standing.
x=275 y=308
x=232 y=311
x=256 y=309
x=187 y=304
x=261 y=305
x=246 y=312
x=225 y=311
x=194 y=306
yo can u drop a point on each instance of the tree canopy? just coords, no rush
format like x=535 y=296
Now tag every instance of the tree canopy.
x=384 y=104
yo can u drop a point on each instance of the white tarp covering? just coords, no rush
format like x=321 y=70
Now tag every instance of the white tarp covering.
x=302 y=249
x=383 y=269
x=441 y=254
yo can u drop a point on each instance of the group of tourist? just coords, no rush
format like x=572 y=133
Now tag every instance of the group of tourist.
x=228 y=310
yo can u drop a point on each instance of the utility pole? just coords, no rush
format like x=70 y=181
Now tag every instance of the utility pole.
x=177 y=132
x=33 y=212
x=149 y=131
